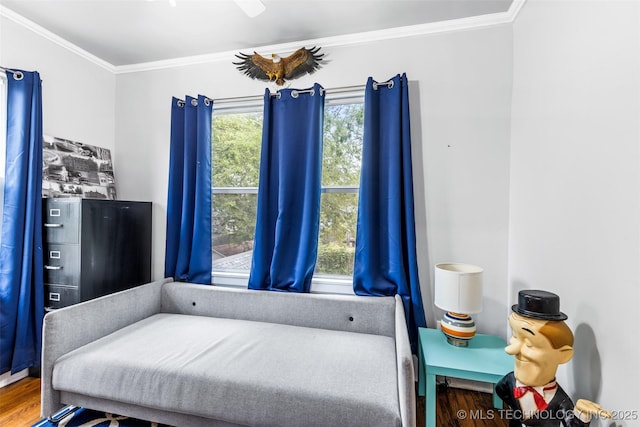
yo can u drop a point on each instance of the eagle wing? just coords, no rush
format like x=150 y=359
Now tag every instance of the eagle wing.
x=302 y=61
x=256 y=66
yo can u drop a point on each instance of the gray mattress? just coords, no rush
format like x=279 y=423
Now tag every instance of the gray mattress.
x=275 y=375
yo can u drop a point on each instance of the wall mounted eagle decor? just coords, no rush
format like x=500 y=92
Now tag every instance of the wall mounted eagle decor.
x=302 y=61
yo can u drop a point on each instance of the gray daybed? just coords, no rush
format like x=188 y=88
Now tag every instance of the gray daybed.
x=195 y=355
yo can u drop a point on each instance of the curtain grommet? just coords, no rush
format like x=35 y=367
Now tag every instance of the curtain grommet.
x=388 y=84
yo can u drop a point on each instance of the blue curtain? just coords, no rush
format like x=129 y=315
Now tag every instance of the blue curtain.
x=288 y=214
x=188 y=242
x=21 y=264
x=385 y=259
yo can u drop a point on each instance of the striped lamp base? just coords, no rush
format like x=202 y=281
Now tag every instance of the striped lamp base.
x=458 y=328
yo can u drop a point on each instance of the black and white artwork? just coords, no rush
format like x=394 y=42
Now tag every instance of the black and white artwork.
x=74 y=169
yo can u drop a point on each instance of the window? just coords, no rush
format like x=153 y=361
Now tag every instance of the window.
x=236 y=142
x=342 y=153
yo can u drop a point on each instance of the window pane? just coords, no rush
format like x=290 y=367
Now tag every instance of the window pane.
x=236 y=140
x=336 y=245
x=342 y=149
x=233 y=218
x=342 y=153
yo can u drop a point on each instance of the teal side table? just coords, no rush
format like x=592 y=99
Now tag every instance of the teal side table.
x=483 y=360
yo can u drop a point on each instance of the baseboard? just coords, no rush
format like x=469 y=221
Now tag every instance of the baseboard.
x=7 y=378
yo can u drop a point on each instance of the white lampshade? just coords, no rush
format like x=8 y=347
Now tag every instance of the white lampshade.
x=458 y=288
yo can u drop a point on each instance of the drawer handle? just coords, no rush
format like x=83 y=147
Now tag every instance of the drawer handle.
x=53 y=267
x=54 y=296
x=47 y=225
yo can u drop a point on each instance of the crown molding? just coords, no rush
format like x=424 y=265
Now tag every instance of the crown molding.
x=515 y=8
x=454 y=25
x=48 y=35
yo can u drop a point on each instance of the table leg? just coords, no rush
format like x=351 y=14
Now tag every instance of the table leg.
x=430 y=401
x=497 y=402
x=421 y=375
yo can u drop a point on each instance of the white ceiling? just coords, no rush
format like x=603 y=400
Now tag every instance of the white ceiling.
x=131 y=32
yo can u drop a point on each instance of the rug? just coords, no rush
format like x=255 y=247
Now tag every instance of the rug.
x=81 y=417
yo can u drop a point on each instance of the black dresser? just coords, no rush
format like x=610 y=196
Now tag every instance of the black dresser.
x=94 y=247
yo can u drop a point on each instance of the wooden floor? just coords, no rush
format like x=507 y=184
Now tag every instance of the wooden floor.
x=20 y=403
x=462 y=408
x=20 y=406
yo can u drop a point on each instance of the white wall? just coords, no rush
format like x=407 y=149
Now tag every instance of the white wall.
x=78 y=96
x=574 y=197
x=460 y=116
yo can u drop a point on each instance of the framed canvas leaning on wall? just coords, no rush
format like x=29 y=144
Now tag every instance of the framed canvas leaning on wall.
x=75 y=169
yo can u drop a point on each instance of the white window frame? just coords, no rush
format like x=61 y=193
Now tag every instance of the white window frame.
x=320 y=283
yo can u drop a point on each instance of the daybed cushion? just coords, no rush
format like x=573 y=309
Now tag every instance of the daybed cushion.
x=275 y=375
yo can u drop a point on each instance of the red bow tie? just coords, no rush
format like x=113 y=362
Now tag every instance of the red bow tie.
x=518 y=392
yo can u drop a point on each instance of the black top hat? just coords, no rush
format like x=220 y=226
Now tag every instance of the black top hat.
x=537 y=304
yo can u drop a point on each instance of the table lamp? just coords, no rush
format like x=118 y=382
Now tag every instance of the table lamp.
x=458 y=291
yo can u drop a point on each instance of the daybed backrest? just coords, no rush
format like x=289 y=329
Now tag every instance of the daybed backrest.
x=370 y=315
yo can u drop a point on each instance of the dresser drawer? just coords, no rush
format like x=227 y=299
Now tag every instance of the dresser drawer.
x=62 y=264
x=61 y=219
x=60 y=296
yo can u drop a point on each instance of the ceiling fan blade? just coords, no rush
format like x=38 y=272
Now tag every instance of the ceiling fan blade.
x=252 y=8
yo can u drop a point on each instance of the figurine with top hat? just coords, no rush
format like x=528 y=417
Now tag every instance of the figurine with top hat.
x=541 y=341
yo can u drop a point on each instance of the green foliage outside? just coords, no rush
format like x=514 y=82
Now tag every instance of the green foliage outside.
x=334 y=258
x=342 y=150
x=342 y=145
x=236 y=162
x=236 y=140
